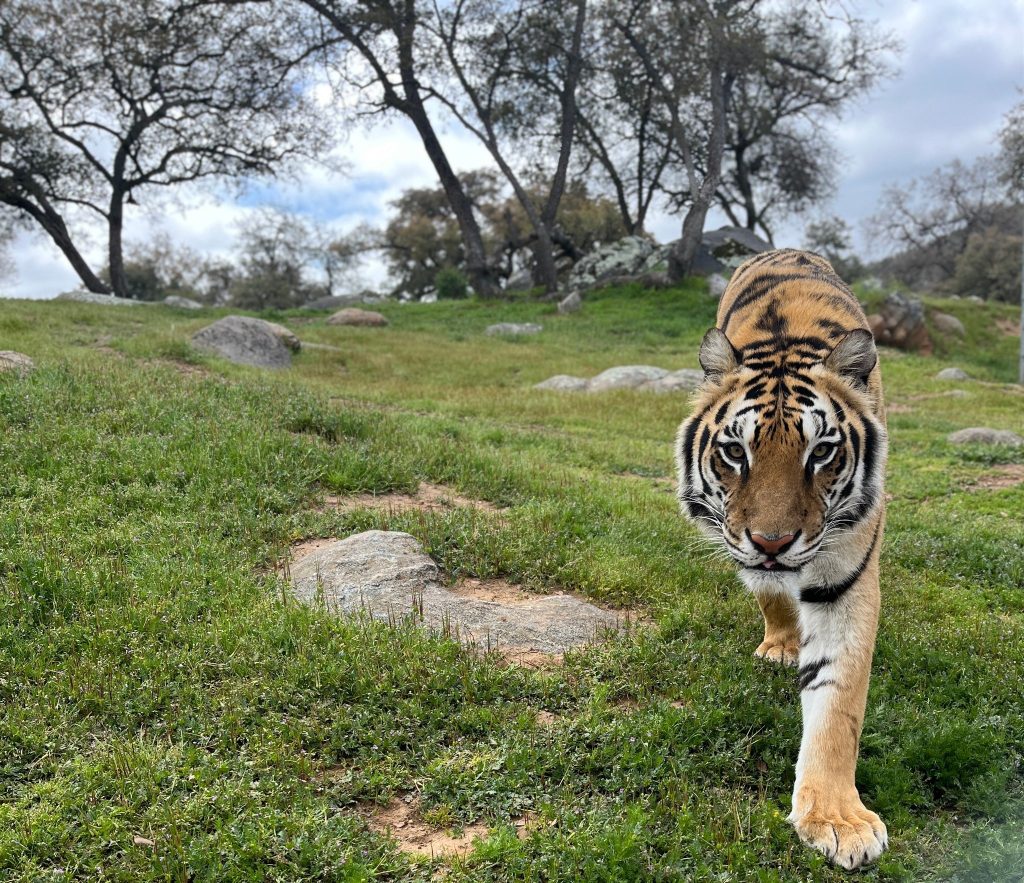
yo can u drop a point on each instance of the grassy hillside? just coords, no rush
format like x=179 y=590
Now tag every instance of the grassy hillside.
x=168 y=714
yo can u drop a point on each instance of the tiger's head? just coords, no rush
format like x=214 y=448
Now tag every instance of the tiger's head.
x=783 y=452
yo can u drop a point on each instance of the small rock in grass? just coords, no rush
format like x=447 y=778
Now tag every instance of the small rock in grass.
x=948 y=324
x=244 y=341
x=16 y=363
x=625 y=377
x=563 y=383
x=952 y=374
x=356 y=316
x=685 y=380
x=571 y=303
x=182 y=303
x=983 y=435
x=513 y=329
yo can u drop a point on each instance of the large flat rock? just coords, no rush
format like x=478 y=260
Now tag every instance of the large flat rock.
x=388 y=575
x=246 y=341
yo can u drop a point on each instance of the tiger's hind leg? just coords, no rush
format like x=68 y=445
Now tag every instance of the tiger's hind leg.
x=781 y=629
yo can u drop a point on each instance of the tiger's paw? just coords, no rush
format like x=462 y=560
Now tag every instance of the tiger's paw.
x=784 y=649
x=840 y=826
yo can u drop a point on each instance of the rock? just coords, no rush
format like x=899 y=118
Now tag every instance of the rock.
x=245 y=341
x=685 y=380
x=105 y=300
x=717 y=283
x=340 y=301
x=571 y=303
x=288 y=338
x=430 y=298
x=657 y=260
x=974 y=299
x=982 y=435
x=624 y=257
x=952 y=374
x=182 y=303
x=521 y=281
x=726 y=248
x=625 y=377
x=15 y=363
x=388 y=575
x=948 y=324
x=563 y=383
x=355 y=316
x=900 y=323
x=513 y=329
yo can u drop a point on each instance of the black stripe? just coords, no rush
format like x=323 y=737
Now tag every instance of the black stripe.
x=761 y=287
x=809 y=672
x=830 y=594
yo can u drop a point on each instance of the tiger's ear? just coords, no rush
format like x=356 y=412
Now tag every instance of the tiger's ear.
x=717 y=355
x=854 y=356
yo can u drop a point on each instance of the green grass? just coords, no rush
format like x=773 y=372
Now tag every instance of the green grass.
x=155 y=681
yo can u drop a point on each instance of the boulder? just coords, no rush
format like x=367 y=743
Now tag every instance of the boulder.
x=657 y=260
x=355 y=316
x=104 y=300
x=948 y=324
x=288 y=338
x=974 y=299
x=182 y=303
x=717 y=283
x=983 y=435
x=571 y=303
x=685 y=380
x=726 y=248
x=624 y=257
x=244 y=341
x=625 y=377
x=900 y=323
x=429 y=298
x=521 y=281
x=952 y=374
x=563 y=383
x=15 y=363
x=513 y=329
x=388 y=575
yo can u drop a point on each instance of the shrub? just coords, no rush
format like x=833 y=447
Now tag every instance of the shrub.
x=451 y=284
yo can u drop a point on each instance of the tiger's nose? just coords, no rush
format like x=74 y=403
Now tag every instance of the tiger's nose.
x=772 y=544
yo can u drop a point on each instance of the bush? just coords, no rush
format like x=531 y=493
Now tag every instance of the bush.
x=990 y=266
x=451 y=284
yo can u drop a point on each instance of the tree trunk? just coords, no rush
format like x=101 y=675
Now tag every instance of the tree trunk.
x=57 y=230
x=684 y=251
x=1020 y=374
x=115 y=251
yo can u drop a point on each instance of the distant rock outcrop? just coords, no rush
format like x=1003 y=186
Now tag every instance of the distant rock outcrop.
x=104 y=300
x=387 y=575
x=245 y=341
x=339 y=301
x=624 y=257
x=724 y=249
x=900 y=323
x=182 y=303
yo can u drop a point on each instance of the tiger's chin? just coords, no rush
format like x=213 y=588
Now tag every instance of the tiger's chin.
x=777 y=580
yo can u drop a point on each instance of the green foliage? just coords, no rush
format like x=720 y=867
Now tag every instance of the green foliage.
x=990 y=266
x=451 y=284
x=156 y=681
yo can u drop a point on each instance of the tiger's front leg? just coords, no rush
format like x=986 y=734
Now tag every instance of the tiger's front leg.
x=781 y=628
x=835 y=657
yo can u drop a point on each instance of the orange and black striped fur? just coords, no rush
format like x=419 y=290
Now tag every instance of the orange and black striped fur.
x=782 y=463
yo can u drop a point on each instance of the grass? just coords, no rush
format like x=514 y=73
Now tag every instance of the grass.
x=157 y=685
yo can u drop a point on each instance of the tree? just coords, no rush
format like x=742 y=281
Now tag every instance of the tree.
x=514 y=69
x=801 y=65
x=379 y=43
x=832 y=238
x=1011 y=160
x=101 y=101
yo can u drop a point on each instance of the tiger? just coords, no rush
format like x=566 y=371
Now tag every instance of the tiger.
x=781 y=463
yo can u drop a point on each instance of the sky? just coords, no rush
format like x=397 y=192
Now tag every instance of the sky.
x=961 y=69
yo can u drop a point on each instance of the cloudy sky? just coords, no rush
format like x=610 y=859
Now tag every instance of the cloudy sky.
x=961 y=69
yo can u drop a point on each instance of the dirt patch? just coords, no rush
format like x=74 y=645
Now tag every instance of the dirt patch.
x=1001 y=477
x=538 y=660
x=1009 y=327
x=401 y=820
x=428 y=498
x=546 y=719
x=499 y=591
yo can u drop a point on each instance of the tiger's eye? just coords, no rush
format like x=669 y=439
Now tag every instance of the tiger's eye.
x=734 y=451
x=821 y=451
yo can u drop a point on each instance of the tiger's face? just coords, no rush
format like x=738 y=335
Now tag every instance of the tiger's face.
x=778 y=458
